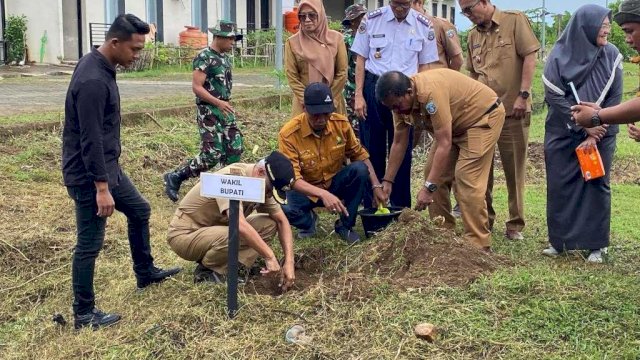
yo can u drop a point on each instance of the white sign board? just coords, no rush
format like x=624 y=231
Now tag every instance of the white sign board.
x=232 y=187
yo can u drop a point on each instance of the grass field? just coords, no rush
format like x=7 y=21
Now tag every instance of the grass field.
x=532 y=307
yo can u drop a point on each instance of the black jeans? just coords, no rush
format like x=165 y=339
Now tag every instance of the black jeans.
x=348 y=184
x=90 y=230
x=376 y=135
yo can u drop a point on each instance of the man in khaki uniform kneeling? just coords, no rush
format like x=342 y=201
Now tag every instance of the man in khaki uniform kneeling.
x=199 y=230
x=466 y=117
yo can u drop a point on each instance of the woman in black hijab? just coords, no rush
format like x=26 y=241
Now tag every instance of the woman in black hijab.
x=579 y=211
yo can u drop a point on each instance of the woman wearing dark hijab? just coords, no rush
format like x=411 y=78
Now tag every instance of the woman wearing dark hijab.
x=579 y=211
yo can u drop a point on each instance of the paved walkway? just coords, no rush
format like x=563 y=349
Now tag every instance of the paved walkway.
x=48 y=93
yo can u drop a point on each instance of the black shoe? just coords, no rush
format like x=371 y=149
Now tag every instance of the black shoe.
x=349 y=236
x=173 y=180
x=156 y=275
x=203 y=274
x=456 y=211
x=95 y=319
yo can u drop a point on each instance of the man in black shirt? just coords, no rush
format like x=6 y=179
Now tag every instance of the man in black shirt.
x=94 y=179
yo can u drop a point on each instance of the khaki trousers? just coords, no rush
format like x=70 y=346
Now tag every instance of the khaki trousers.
x=512 y=144
x=209 y=245
x=475 y=155
x=441 y=205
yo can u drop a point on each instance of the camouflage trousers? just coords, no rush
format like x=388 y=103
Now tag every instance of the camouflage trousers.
x=220 y=139
x=350 y=98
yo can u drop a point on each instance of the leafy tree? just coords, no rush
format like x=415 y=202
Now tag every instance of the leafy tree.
x=617 y=36
x=462 y=35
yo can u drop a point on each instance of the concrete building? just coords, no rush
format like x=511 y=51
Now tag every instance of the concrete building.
x=442 y=8
x=67 y=23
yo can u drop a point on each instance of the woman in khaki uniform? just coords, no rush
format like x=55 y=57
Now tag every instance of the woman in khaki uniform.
x=315 y=54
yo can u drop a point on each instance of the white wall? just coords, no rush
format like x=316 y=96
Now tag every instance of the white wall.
x=177 y=14
x=450 y=3
x=136 y=7
x=42 y=15
x=241 y=14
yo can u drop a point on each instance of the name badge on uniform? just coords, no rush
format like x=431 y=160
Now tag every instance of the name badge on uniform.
x=377 y=54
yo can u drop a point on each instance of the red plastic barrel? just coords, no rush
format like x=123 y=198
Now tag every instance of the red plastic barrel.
x=291 y=22
x=193 y=37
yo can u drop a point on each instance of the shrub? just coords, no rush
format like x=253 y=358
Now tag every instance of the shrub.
x=15 y=35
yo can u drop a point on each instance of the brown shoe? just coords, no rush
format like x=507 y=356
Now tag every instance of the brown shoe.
x=513 y=235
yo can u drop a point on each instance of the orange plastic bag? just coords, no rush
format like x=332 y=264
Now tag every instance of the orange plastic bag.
x=590 y=163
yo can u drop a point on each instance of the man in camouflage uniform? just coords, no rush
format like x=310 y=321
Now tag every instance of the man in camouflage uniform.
x=353 y=17
x=220 y=138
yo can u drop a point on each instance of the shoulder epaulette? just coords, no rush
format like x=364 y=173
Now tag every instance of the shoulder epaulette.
x=512 y=12
x=423 y=19
x=338 y=117
x=374 y=13
x=289 y=128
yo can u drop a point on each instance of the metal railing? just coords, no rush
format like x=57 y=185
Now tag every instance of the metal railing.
x=3 y=51
x=97 y=34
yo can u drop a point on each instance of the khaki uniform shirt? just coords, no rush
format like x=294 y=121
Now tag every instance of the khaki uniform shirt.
x=447 y=96
x=196 y=211
x=496 y=55
x=317 y=159
x=447 y=40
x=297 y=70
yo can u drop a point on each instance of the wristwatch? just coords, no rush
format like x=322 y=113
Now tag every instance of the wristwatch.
x=595 y=119
x=431 y=187
x=524 y=94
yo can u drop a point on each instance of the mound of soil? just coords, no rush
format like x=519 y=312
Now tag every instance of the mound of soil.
x=412 y=253
x=310 y=266
x=415 y=253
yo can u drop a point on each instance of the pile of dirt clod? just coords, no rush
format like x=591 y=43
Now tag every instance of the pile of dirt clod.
x=411 y=253
x=416 y=253
x=311 y=266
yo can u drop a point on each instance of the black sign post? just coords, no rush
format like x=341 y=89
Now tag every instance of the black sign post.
x=232 y=267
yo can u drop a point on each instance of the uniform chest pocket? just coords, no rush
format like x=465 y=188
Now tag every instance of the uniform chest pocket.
x=308 y=161
x=504 y=49
x=377 y=43
x=414 y=44
x=337 y=153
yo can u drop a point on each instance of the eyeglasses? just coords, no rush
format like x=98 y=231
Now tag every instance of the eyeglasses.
x=400 y=5
x=467 y=10
x=312 y=16
x=605 y=27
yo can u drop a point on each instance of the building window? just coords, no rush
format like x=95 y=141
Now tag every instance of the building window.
x=444 y=12
x=112 y=8
x=199 y=14
x=434 y=9
x=152 y=11
x=452 y=11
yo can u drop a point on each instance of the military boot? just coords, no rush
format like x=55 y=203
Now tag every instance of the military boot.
x=173 y=180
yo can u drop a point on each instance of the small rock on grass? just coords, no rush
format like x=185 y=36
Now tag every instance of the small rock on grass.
x=425 y=331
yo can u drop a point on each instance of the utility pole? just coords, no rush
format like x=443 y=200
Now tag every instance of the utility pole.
x=544 y=28
x=279 y=41
x=226 y=10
